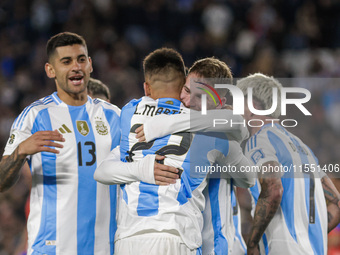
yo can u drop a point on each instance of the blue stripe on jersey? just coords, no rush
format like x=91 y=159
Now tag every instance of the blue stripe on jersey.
x=47 y=100
x=236 y=219
x=148 y=201
x=125 y=123
x=314 y=229
x=220 y=242
x=20 y=119
x=255 y=192
x=199 y=251
x=190 y=178
x=48 y=222
x=114 y=126
x=56 y=98
x=287 y=202
x=265 y=243
x=87 y=186
x=113 y=222
x=252 y=142
x=115 y=136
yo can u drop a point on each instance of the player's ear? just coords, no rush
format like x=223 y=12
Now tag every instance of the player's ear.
x=90 y=60
x=147 y=90
x=49 y=70
x=224 y=100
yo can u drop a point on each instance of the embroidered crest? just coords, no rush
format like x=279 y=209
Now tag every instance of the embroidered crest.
x=101 y=128
x=82 y=127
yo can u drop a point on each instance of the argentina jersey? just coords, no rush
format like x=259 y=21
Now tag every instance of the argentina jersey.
x=222 y=226
x=70 y=213
x=300 y=223
x=176 y=208
x=239 y=246
x=218 y=229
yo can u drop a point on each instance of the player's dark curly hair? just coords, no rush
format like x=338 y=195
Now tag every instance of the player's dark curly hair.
x=162 y=60
x=63 y=39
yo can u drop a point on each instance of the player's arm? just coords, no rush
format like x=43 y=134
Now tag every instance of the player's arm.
x=266 y=207
x=246 y=205
x=113 y=171
x=223 y=121
x=333 y=202
x=238 y=161
x=10 y=165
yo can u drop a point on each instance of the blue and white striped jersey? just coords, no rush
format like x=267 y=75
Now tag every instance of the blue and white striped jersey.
x=300 y=224
x=239 y=246
x=70 y=213
x=222 y=226
x=218 y=230
x=176 y=208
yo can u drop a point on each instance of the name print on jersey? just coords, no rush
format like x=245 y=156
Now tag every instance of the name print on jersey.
x=151 y=110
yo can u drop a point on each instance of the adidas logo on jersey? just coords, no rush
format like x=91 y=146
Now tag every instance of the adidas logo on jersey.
x=64 y=129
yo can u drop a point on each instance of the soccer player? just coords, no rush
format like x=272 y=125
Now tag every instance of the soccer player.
x=291 y=212
x=63 y=137
x=218 y=231
x=97 y=89
x=163 y=219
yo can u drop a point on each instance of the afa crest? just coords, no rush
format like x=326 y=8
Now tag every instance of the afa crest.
x=83 y=127
x=101 y=128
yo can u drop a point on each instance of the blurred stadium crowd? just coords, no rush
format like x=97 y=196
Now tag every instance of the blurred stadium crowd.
x=283 y=38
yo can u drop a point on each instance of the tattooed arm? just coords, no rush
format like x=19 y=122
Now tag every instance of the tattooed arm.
x=266 y=207
x=10 y=165
x=333 y=198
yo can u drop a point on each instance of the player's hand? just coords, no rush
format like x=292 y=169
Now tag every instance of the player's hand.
x=253 y=251
x=140 y=134
x=165 y=175
x=41 y=141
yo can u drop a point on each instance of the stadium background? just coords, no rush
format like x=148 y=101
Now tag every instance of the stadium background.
x=283 y=38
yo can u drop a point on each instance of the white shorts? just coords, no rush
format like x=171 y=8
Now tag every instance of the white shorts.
x=153 y=244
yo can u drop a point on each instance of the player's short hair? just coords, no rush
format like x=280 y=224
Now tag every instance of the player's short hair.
x=162 y=61
x=262 y=90
x=97 y=88
x=211 y=68
x=63 y=39
x=217 y=71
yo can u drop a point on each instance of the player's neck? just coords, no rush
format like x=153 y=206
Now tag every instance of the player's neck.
x=265 y=120
x=72 y=99
x=162 y=94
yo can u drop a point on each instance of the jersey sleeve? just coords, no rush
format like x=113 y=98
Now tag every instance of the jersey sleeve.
x=236 y=158
x=259 y=150
x=113 y=171
x=215 y=121
x=21 y=130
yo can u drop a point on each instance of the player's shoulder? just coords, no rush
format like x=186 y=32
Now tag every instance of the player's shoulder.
x=31 y=111
x=106 y=105
x=262 y=141
x=38 y=105
x=134 y=102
